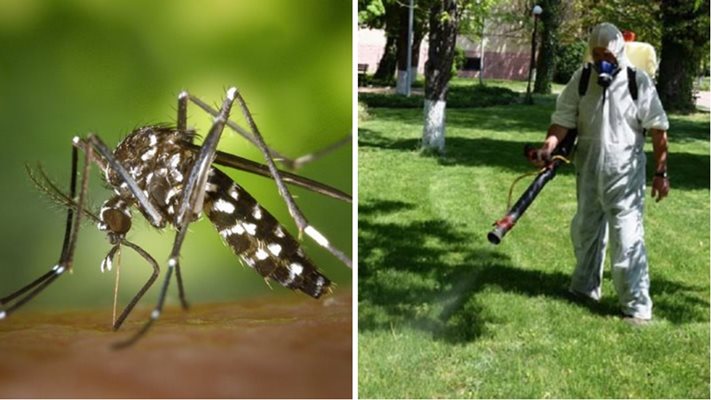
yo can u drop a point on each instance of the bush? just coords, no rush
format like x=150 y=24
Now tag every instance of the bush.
x=460 y=57
x=568 y=59
x=362 y=112
x=459 y=97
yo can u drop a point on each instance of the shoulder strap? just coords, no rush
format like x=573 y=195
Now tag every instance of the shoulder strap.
x=584 y=78
x=632 y=82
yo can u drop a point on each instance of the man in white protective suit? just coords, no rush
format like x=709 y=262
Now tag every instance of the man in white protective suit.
x=610 y=169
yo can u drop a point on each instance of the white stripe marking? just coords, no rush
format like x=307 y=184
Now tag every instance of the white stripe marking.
x=279 y=232
x=176 y=175
x=233 y=193
x=316 y=235
x=172 y=192
x=210 y=187
x=106 y=264
x=257 y=212
x=238 y=229
x=250 y=228
x=153 y=140
x=149 y=154
x=261 y=254
x=296 y=268
x=2 y=314
x=231 y=93
x=224 y=206
x=174 y=160
x=274 y=248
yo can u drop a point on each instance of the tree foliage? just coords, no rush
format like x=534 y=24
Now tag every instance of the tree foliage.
x=371 y=14
x=640 y=17
x=392 y=17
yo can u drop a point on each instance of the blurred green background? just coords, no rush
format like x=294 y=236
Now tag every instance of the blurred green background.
x=72 y=67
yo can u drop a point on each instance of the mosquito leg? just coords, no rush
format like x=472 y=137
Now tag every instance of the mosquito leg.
x=241 y=131
x=190 y=207
x=243 y=164
x=137 y=297
x=286 y=161
x=183 y=111
x=7 y=299
x=307 y=158
x=155 y=314
x=194 y=192
x=69 y=244
x=301 y=222
x=107 y=154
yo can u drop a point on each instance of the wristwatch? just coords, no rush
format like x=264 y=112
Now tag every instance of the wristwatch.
x=662 y=174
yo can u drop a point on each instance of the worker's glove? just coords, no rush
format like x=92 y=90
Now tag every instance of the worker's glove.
x=538 y=156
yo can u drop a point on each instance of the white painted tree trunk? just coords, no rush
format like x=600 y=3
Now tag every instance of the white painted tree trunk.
x=433 y=134
x=401 y=82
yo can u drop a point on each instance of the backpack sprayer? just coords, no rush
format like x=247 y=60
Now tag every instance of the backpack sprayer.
x=558 y=157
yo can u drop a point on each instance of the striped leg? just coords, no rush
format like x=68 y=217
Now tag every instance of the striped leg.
x=190 y=207
x=20 y=297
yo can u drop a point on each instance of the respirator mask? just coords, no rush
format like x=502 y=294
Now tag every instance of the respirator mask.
x=606 y=72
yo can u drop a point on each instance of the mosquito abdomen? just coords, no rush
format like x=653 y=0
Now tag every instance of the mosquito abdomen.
x=258 y=238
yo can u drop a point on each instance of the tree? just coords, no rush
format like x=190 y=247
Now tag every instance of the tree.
x=685 y=42
x=640 y=17
x=545 y=65
x=444 y=17
x=419 y=30
x=382 y=14
x=447 y=18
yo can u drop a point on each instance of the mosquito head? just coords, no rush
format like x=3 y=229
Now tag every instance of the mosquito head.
x=115 y=219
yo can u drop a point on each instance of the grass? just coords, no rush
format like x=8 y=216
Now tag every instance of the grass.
x=443 y=313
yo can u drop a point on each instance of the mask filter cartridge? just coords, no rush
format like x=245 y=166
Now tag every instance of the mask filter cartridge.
x=606 y=73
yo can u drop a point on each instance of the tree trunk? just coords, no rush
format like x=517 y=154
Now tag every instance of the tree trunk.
x=444 y=22
x=545 y=65
x=685 y=38
x=388 y=62
x=402 y=49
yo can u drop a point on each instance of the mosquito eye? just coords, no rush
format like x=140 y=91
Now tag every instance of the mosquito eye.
x=117 y=221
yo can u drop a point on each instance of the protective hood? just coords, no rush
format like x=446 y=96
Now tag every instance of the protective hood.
x=607 y=36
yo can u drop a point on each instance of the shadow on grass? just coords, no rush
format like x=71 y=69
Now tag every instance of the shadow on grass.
x=473 y=152
x=428 y=274
x=684 y=131
x=687 y=171
x=510 y=118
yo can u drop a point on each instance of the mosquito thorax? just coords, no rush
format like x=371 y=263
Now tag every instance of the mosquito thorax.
x=158 y=160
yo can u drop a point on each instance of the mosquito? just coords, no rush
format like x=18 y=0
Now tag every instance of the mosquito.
x=160 y=171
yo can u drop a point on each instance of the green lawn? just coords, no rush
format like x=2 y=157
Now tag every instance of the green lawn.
x=443 y=313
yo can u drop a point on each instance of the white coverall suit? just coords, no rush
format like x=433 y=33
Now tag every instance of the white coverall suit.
x=610 y=172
